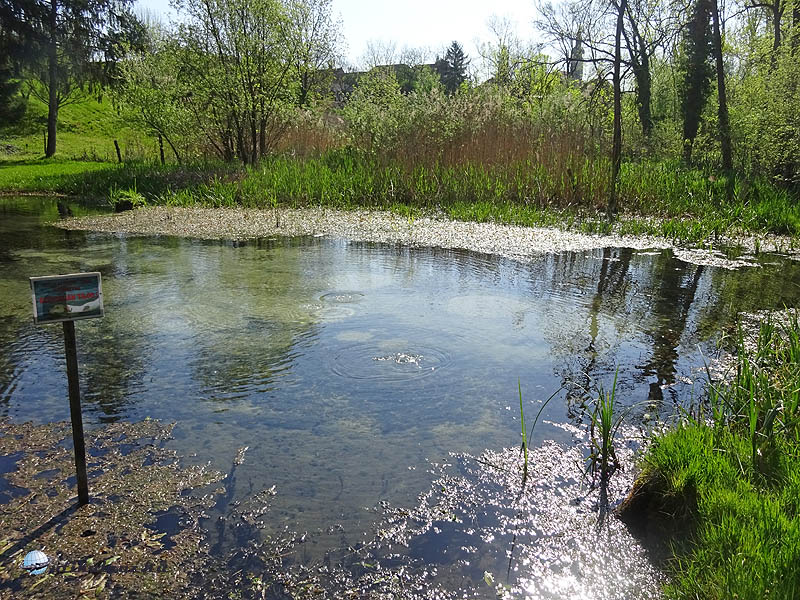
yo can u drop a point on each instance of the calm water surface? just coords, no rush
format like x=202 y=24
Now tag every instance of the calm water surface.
x=347 y=368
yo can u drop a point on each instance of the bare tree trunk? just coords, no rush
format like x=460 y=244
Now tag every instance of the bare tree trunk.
x=174 y=149
x=161 y=148
x=724 y=122
x=52 y=80
x=616 y=147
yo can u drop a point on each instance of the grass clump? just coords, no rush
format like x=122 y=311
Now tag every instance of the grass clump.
x=733 y=473
x=606 y=421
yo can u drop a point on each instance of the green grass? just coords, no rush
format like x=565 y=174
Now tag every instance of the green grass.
x=606 y=421
x=47 y=176
x=734 y=473
x=86 y=131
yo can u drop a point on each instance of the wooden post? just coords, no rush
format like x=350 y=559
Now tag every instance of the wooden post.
x=71 y=349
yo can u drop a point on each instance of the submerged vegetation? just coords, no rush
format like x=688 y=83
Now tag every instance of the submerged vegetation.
x=115 y=545
x=732 y=472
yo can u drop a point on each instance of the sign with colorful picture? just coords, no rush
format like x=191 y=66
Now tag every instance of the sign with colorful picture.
x=66 y=297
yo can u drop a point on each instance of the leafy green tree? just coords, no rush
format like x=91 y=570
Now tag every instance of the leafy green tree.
x=237 y=63
x=765 y=121
x=426 y=80
x=317 y=40
x=374 y=107
x=152 y=93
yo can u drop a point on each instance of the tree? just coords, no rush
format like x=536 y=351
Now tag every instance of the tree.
x=696 y=72
x=237 y=66
x=317 y=41
x=724 y=121
x=584 y=33
x=649 y=26
x=67 y=45
x=572 y=28
x=12 y=104
x=776 y=10
x=796 y=26
x=379 y=53
x=616 y=146
x=151 y=92
x=502 y=56
x=373 y=108
x=13 y=32
x=452 y=68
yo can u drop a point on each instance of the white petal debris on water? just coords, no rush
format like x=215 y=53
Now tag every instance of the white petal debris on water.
x=510 y=241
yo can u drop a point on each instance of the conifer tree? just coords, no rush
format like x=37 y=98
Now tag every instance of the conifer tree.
x=453 y=68
x=66 y=44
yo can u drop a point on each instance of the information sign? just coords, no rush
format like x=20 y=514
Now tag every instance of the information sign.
x=66 y=297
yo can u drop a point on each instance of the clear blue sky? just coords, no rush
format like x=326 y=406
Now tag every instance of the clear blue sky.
x=416 y=23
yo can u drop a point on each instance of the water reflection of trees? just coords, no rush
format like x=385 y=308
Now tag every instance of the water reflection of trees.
x=633 y=311
x=671 y=307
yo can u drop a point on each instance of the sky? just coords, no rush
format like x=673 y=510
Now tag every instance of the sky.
x=431 y=24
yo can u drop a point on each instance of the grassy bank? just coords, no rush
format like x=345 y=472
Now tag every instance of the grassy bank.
x=661 y=198
x=733 y=473
x=87 y=129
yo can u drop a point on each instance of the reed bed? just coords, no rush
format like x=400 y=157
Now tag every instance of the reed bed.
x=472 y=158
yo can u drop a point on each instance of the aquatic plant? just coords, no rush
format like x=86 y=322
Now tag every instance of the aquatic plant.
x=605 y=422
x=126 y=199
x=114 y=546
x=524 y=435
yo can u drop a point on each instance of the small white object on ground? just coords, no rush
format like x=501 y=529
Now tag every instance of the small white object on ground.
x=36 y=562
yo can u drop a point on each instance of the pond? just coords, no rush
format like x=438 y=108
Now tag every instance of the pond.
x=344 y=374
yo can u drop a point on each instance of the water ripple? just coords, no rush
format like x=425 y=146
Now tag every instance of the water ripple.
x=374 y=362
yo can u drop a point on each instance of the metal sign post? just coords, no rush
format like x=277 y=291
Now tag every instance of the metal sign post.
x=67 y=298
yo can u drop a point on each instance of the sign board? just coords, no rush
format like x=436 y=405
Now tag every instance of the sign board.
x=66 y=297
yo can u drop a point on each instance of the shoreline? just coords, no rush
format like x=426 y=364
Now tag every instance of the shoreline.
x=510 y=241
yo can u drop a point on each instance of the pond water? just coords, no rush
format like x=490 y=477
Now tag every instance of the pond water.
x=348 y=369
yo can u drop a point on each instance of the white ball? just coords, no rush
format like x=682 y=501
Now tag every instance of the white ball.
x=36 y=562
